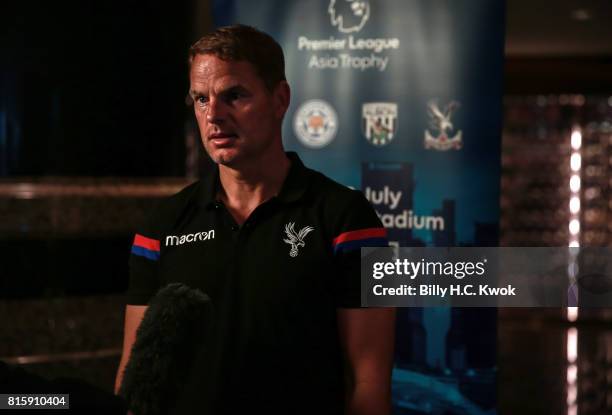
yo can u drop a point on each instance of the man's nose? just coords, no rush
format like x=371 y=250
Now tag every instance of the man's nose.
x=215 y=112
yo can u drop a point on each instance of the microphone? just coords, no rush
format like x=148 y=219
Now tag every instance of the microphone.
x=172 y=333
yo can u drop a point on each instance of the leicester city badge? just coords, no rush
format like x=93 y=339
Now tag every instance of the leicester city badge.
x=379 y=122
x=315 y=123
x=441 y=134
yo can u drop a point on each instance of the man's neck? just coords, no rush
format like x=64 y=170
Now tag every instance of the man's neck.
x=243 y=189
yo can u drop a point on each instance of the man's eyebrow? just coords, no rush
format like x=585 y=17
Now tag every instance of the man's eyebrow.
x=237 y=87
x=193 y=93
x=233 y=88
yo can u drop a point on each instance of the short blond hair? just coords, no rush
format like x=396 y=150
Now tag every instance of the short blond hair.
x=244 y=43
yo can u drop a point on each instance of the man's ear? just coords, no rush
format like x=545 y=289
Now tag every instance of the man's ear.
x=282 y=97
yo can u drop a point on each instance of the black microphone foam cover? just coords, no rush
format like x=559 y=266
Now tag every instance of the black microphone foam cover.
x=173 y=330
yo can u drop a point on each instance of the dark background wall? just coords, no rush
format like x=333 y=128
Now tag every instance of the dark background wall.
x=90 y=88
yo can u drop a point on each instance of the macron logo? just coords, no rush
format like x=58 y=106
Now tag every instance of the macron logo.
x=172 y=240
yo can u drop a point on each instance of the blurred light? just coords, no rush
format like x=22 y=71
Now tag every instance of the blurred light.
x=579 y=100
x=25 y=191
x=572 y=344
x=576 y=139
x=572 y=394
x=594 y=171
x=592 y=193
x=575 y=161
x=572 y=269
x=574 y=204
x=572 y=315
x=581 y=15
x=574 y=226
x=575 y=183
x=541 y=100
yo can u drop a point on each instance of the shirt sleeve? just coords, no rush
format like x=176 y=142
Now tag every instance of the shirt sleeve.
x=144 y=266
x=358 y=227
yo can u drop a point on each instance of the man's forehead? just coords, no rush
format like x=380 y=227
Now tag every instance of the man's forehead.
x=211 y=66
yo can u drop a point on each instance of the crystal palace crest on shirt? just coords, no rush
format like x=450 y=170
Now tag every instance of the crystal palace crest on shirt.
x=296 y=239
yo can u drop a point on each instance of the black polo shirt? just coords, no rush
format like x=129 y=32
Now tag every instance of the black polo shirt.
x=275 y=283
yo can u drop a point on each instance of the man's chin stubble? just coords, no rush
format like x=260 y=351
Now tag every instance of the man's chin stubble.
x=225 y=160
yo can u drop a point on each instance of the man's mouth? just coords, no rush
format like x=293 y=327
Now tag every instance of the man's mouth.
x=222 y=139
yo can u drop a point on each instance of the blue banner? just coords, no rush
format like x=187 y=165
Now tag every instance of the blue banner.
x=402 y=99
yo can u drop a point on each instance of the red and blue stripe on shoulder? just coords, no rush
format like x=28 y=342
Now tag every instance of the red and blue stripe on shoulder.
x=360 y=238
x=146 y=247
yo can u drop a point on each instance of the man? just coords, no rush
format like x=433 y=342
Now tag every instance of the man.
x=276 y=248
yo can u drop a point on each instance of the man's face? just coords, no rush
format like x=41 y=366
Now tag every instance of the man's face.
x=238 y=117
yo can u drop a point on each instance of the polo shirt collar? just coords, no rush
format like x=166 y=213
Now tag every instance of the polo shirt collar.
x=297 y=180
x=209 y=186
x=293 y=188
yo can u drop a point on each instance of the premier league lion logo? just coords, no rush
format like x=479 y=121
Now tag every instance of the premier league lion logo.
x=349 y=15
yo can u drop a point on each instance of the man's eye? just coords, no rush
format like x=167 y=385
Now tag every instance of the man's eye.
x=201 y=100
x=234 y=95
